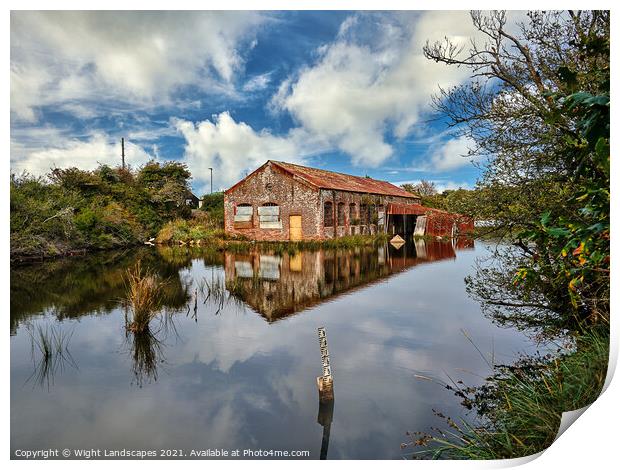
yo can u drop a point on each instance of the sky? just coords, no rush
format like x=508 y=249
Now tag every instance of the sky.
x=344 y=91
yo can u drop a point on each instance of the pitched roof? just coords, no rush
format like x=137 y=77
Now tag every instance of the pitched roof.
x=342 y=182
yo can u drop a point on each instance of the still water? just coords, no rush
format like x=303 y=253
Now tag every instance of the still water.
x=233 y=364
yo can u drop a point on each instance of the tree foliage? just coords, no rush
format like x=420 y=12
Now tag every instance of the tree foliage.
x=73 y=209
x=423 y=188
x=537 y=108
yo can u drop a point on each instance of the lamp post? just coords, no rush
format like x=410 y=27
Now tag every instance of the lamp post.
x=211 y=169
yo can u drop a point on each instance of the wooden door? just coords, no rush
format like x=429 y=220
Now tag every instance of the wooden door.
x=294 y=227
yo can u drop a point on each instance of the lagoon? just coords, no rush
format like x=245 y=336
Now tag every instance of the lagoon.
x=232 y=364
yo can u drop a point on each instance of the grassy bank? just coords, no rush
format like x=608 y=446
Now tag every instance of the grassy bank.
x=202 y=230
x=519 y=408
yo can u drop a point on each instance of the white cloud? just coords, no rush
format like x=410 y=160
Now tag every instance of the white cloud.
x=440 y=184
x=48 y=148
x=64 y=57
x=372 y=81
x=232 y=148
x=452 y=154
x=258 y=82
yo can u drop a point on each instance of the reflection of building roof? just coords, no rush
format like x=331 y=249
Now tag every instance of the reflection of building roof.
x=278 y=298
x=324 y=179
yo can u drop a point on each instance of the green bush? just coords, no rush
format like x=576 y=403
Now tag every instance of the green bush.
x=213 y=206
x=72 y=209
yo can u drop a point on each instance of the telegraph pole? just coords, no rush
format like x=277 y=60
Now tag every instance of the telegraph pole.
x=123 y=151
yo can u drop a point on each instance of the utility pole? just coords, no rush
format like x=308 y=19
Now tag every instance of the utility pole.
x=123 y=151
x=211 y=169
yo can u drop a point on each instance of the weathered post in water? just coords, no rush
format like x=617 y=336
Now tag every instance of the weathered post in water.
x=325 y=383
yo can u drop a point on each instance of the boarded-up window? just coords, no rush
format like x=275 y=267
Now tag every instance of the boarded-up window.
x=353 y=217
x=380 y=215
x=269 y=267
x=340 y=214
x=243 y=216
x=269 y=216
x=328 y=214
x=244 y=269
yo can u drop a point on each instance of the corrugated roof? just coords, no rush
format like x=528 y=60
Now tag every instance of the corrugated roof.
x=342 y=182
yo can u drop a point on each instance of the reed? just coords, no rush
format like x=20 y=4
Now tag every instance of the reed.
x=144 y=294
x=520 y=407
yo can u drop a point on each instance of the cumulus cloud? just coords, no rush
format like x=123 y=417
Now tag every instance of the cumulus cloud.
x=452 y=154
x=48 y=148
x=233 y=148
x=66 y=57
x=373 y=80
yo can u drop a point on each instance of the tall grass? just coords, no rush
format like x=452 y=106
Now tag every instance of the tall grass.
x=520 y=407
x=144 y=294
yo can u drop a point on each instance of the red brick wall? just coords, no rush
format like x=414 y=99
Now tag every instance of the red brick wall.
x=358 y=199
x=294 y=197
x=272 y=185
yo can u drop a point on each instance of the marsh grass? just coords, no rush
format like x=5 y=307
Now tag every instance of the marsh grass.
x=520 y=407
x=144 y=296
x=50 y=353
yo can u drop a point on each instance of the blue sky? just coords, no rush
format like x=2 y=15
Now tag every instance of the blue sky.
x=344 y=91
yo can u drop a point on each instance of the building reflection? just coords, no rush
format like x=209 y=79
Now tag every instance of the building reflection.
x=279 y=285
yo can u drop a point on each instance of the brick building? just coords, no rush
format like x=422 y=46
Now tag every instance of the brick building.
x=283 y=201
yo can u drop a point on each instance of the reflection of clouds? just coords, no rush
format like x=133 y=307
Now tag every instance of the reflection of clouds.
x=235 y=380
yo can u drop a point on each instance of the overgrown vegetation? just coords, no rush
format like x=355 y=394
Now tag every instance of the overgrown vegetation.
x=197 y=229
x=71 y=210
x=538 y=110
x=520 y=407
x=213 y=205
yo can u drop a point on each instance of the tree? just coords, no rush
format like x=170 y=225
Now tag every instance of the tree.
x=423 y=188
x=168 y=185
x=537 y=107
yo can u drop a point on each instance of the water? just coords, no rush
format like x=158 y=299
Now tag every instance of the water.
x=238 y=371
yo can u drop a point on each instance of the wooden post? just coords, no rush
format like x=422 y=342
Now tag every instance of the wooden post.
x=325 y=383
x=123 y=151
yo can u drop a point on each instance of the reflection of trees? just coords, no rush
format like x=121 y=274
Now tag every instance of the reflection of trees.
x=177 y=257
x=505 y=302
x=72 y=287
x=68 y=287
